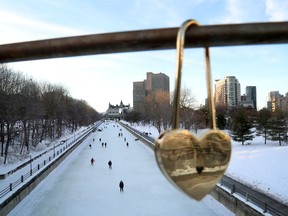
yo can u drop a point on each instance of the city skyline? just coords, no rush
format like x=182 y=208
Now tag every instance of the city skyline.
x=100 y=79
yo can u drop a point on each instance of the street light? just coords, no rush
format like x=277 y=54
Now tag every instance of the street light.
x=30 y=164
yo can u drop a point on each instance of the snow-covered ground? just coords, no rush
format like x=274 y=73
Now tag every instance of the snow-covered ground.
x=76 y=187
x=46 y=152
x=261 y=166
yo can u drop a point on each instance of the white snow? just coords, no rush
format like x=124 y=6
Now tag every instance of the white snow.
x=93 y=190
x=76 y=187
x=15 y=176
x=261 y=166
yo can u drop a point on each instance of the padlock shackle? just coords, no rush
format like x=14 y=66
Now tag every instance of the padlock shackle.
x=177 y=92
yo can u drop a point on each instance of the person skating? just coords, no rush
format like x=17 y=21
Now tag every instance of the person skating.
x=121 y=186
x=110 y=164
x=92 y=161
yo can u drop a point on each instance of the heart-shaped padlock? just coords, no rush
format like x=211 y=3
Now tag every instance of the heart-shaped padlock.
x=191 y=164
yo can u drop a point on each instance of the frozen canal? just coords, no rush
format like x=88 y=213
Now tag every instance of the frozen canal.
x=76 y=187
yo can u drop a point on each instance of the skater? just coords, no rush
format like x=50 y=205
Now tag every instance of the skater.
x=93 y=140
x=110 y=164
x=105 y=144
x=127 y=144
x=99 y=139
x=124 y=139
x=121 y=186
x=92 y=161
x=90 y=146
x=102 y=144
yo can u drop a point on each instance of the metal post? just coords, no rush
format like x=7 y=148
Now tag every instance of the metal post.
x=30 y=165
x=265 y=208
x=54 y=150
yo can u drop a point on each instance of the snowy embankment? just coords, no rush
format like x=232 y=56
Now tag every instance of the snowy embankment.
x=258 y=165
x=40 y=157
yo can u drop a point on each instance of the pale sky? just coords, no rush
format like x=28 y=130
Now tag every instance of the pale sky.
x=101 y=79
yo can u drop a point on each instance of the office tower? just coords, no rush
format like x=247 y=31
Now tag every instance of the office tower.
x=151 y=84
x=277 y=101
x=272 y=100
x=138 y=96
x=227 y=92
x=251 y=95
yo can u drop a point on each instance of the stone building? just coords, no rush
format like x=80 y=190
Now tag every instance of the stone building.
x=117 y=111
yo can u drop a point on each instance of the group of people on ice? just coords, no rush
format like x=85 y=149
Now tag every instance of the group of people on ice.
x=121 y=183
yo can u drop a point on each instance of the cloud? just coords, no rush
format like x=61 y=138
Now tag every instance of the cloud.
x=276 y=10
x=17 y=27
x=243 y=11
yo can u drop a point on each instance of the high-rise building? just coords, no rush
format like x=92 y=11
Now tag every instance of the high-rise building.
x=138 y=96
x=251 y=95
x=227 y=92
x=245 y=103
x=152 y=83
x=277 y=101
x=272 y=103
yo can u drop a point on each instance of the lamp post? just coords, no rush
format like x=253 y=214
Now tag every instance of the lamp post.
x=30 y=164
x=54 y=150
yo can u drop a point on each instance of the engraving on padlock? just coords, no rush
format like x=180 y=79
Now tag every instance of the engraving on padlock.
x=192 y=165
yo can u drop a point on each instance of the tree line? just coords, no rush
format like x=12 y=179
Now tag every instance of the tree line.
x=32 y=111
x=242 y=122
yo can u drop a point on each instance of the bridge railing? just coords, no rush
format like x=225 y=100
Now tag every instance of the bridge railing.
x=144 y=40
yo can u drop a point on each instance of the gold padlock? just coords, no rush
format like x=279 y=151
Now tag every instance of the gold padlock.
x=192 y=165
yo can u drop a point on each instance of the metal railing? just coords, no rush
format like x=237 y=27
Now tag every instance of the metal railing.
x=38 y=156
x=45 y=162
x=250 y=198
x=144 y=40
x=34 y=170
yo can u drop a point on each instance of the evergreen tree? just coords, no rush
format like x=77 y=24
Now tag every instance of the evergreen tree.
x=241 y=126
x=277 y=127
x=221 y=117
x=264 y=116
x=221 y=121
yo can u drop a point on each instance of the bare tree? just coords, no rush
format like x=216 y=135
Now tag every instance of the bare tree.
x=10 y=83
x=187 y=106
x=158 y=110
x=36 y=111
